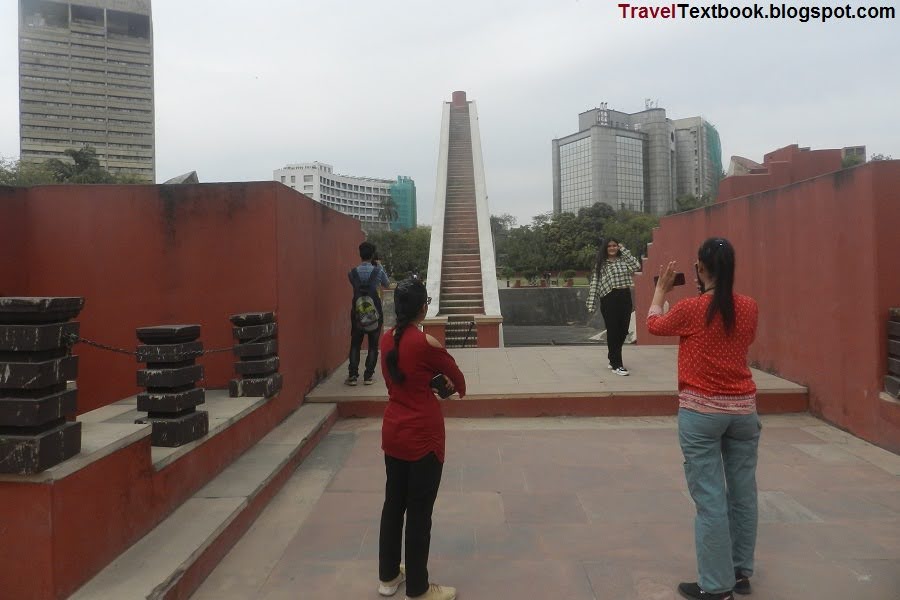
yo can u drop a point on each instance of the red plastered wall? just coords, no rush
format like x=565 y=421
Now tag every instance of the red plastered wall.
x=152 y=255
x=820 y=257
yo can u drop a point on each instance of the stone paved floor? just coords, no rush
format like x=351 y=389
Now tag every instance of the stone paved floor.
x=586 y=508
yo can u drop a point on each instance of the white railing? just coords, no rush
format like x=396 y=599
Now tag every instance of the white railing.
x=485 y=236
x=436 y=251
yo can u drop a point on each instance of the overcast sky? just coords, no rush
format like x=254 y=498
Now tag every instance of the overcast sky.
x=243 y=88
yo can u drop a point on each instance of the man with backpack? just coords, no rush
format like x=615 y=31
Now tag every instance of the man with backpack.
x=366 y=315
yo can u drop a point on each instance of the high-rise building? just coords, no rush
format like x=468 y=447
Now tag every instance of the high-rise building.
x=360 y=197
x=640 y=161
x=403 y=193
x=86 y=79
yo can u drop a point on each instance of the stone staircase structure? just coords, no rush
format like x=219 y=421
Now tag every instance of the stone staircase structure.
x=465 y=310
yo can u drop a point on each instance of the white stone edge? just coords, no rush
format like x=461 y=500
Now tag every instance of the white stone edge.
x=485 y=236
x=436 y=251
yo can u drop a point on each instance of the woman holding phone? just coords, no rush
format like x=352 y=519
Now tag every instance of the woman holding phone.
x=718 y=427
x=412 y=437
x=611 y=282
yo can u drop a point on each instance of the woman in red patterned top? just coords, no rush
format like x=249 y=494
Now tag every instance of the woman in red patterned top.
x=718 y=427
x=412 y=437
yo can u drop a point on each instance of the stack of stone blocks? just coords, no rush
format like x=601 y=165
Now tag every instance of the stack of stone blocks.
x=36 y=399
x=257 y=354
x=892 y=379
x=170 y=378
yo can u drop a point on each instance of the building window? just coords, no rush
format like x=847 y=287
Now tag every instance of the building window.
x=575 y=175
x=282 y=178
x=293 y=179
x=629 y=173
x=307 y=178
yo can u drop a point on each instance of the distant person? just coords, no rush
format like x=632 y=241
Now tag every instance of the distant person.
x=412 y=437
x=611 y=282
x=717 y=422
x=366 y=315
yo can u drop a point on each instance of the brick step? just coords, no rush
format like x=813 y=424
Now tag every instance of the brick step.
x=465 y=296
x=462 y=262
x=175 y=557
x=893 y=346
x=452 y=269
x=461 y=283
x=461 y=311
x=463 y=289
x=461 y=256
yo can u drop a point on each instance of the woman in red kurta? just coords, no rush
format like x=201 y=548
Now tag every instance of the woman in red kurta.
x=412 y=437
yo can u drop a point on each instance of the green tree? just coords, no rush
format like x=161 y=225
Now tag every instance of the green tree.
x=403 y=252
x=633 y=229
x=388 y=211
x=851 y=160
x=877 y=157
x=82 y=167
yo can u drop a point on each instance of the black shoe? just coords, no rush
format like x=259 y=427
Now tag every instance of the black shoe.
x=741 y=583
x=693 y=592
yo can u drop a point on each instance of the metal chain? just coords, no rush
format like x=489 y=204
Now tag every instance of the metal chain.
x=73 y=339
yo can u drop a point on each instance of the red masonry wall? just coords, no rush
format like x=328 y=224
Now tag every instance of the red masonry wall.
x=821 y=259
x=152 y=255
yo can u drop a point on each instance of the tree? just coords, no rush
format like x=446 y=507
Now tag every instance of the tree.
x=403 y=252
x=877 y=157
x=83 y=168
x=388 y=211
x=690 y=202
x=633 y=229
x=851 y=160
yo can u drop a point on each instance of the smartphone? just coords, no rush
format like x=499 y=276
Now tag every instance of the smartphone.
x=679 y=279
x=439 y=385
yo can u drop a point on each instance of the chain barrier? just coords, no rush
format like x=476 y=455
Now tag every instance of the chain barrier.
x=73 y=339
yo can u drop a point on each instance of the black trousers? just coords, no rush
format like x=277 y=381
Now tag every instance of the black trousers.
x=411 y=488
x=356 y=339
x=616 y=309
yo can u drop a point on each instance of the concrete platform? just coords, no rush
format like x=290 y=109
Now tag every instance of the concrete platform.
x=554 y=381
x=576 y=508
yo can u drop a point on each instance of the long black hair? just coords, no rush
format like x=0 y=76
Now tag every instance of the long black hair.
x=603 y=255
x=717 y=256
x=409 y=298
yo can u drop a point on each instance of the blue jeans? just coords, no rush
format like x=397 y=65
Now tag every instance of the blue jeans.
x=720 y=453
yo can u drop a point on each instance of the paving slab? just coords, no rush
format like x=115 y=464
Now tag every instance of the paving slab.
x=579 y=508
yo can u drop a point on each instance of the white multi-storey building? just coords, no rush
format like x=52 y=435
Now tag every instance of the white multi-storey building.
x=359 y=197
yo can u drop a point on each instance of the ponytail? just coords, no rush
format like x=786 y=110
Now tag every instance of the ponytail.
x=717 y=256
x=409 y=298
x=392 y=360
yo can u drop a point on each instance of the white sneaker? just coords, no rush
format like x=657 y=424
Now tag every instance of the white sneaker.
x=437 y=592
x=389 y=588
x=621 y=371
x=609 y=367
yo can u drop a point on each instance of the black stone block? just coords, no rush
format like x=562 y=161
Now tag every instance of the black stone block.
x=169 y=353
x=257 y=350
x=894 y=314
x=25 y=455
x=21 y=310
x=37 y=375
x=170 y=402
x=168 y=334
x=36 y=338
x=256 y=332
x=253 y=318
x=169 y=378
x=31 y=412
x=171 y=433
x=894 y=366
x=265 y=387
x=894 y=348
x=894 y=329
x=256 y=368
x=892 y=386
